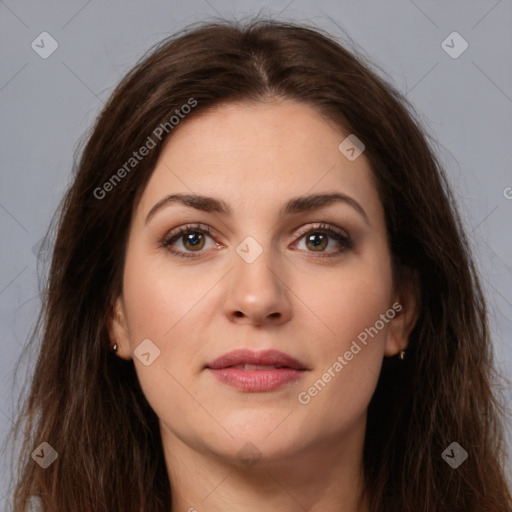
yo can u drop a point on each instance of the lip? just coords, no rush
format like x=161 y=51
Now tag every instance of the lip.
x=288 y=369
x=247 y=356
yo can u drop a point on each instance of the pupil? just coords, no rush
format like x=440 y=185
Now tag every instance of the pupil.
x=191 y=237
x=319 y=241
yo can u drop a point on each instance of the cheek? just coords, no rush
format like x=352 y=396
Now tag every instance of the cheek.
x=160 y=296
x=163 y=304
x=163 y=308
x=344 y=302
x=349 y=304
x=341 y=387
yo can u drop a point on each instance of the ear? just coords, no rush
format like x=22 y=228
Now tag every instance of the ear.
x=117 y=329
x=406 y=306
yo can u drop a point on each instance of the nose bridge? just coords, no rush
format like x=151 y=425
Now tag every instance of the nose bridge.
x=258 y=288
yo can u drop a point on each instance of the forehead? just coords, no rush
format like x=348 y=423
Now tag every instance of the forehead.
x=257 y=156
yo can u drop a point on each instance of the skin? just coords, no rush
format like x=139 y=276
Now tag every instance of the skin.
x=256 y=157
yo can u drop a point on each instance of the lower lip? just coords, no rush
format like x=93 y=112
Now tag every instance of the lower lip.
x=256 y=380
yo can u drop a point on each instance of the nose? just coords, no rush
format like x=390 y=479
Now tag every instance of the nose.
x=257 y=292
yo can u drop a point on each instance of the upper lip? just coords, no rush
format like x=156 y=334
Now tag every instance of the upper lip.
x=246 y=356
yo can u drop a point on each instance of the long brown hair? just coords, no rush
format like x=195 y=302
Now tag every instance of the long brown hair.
x=88 y=404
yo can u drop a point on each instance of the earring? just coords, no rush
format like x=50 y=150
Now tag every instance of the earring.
x=402 y=355
x=114 y=348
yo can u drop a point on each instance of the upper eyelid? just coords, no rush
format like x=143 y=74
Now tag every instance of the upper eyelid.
x=190 y=227
x=306 y=228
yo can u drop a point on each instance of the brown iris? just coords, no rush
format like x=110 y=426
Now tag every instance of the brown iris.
x=318 y=245
x=195 y=239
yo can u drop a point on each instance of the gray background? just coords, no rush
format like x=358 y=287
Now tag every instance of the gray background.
x=47 y=105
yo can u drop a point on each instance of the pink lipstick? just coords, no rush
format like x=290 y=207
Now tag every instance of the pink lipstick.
x=251 y=371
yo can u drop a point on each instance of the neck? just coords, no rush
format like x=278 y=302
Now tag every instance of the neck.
x=325 y=477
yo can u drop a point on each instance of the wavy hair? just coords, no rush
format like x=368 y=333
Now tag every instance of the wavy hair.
x=88 y=404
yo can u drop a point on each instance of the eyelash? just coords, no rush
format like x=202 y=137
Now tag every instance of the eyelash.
x=341 y=237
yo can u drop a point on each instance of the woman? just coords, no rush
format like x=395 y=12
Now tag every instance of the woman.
x=261 y=298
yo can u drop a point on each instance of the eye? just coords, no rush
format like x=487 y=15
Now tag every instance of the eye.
x=191 y=237
x=317 y=239
x=193 y=240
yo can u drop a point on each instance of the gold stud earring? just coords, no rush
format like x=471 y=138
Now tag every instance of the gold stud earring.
x=114 y=348
x=402 y=355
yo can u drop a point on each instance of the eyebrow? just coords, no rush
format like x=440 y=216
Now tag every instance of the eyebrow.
x=293 y=206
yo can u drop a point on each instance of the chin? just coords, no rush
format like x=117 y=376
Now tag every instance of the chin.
x=269 y=440
x=262 y=454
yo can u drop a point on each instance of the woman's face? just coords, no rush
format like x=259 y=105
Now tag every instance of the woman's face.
x=308 y=278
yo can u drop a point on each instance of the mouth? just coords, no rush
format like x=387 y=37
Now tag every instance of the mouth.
x=250 y=371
